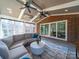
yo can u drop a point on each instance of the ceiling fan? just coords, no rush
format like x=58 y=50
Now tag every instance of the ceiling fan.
x=42 y=13
x=27 y=4
x=30 y=4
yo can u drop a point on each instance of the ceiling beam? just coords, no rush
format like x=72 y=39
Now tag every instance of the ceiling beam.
x=23 y=10
x=37 y=15
x=35 y=4
x=66 y=5
x=21 y=13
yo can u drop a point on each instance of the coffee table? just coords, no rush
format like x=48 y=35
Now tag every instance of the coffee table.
x=37 y=49
x=29 y=41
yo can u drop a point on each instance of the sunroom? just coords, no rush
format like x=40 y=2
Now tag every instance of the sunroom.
x=39 y=29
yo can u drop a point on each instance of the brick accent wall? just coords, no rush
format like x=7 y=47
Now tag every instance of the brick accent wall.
x=73 y=25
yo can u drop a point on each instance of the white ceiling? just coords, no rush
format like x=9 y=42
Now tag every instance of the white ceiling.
x=49 y=3
x=15 y=7
x=12 y=4
x=65 y=10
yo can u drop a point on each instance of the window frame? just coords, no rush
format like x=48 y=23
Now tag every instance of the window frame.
x=12 y=30
x=49 y=35
x=48 y=28
x=7 y=23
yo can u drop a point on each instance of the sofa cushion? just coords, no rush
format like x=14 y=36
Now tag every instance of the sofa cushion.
x=17 y=44
x=28 y=35
x=8 y=41
x=4 y=51
x=18 y=37
x=17 y=52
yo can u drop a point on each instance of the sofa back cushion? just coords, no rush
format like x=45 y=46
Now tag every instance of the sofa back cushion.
x=28 y=35
x=18 y=37
x=4 y=51
x=8 y=41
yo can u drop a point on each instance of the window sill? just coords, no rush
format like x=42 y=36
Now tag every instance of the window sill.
x=47 y=36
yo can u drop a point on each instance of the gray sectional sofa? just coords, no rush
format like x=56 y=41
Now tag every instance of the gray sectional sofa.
x=16 y=40
x=12 y=47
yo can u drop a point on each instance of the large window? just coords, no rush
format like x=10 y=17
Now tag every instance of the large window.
x=45 y=29
x=56 y=29
x=10 y=27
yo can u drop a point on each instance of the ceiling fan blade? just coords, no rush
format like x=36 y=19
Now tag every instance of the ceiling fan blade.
x=44 y=15
x=47 y=13
x=22 y=7
x=29 y=10
x=20 y=1
x=32 y=8
x=29 y=2
x=36 y=5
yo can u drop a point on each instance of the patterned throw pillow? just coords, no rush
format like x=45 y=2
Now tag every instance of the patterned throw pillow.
x=35 y=36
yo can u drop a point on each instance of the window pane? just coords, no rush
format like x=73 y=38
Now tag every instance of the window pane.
x=32 y=26
x=42 y=29
x=29 y=28
x=21 y=28
x=1 y=32
x=4 y=27
x=7 y=27
x=18 y=28
x=61 y=30
x=45 y=29
x=53 y=29
x=10 y=27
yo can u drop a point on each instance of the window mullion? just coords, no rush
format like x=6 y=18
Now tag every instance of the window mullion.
x=56 y=30
x=49 y=29
x=66 y=30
